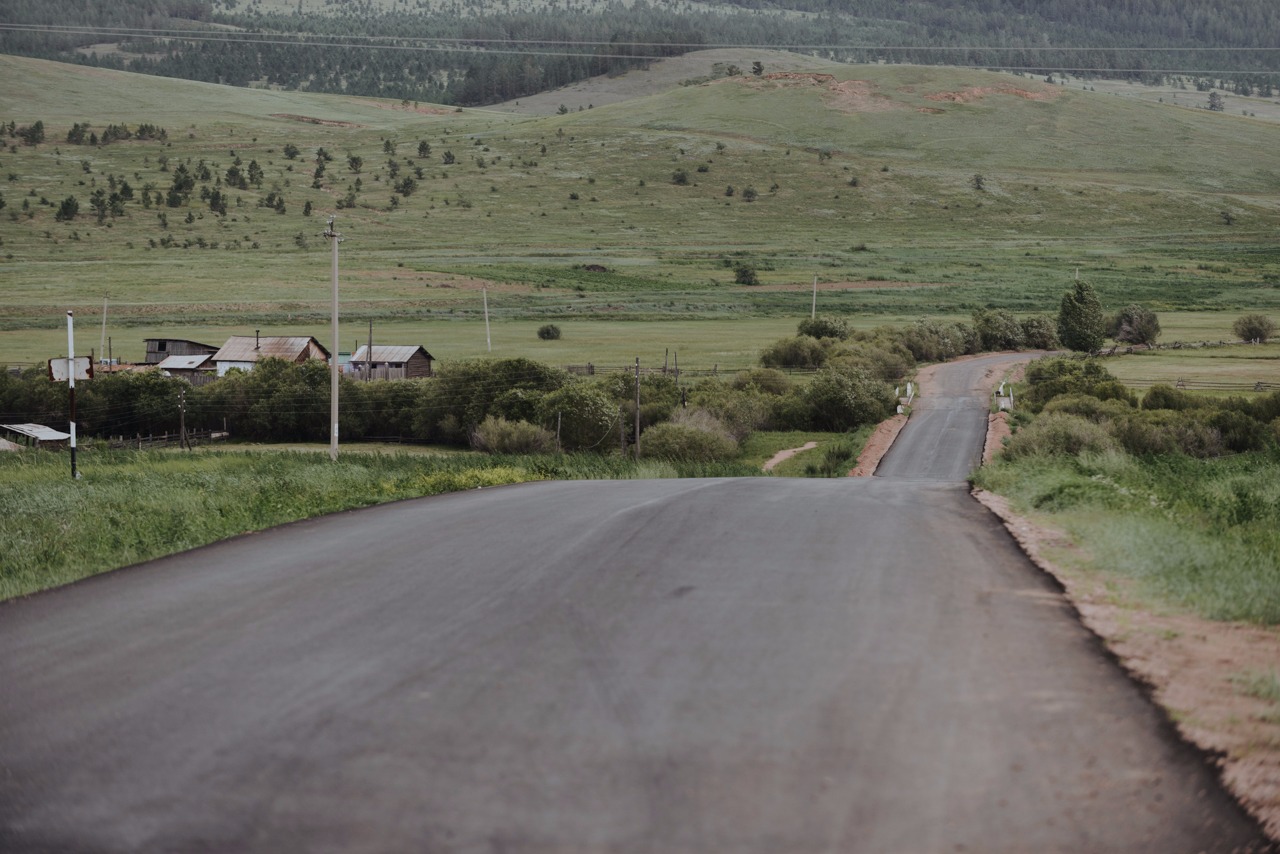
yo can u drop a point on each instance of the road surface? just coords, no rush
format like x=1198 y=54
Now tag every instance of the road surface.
x=753 y=665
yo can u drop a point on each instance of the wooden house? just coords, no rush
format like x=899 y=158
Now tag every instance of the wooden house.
x=391 y=362
x=245 y=351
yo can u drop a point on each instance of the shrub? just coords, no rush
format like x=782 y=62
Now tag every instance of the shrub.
x=1162 y=432
x=1239 y=432
x=998 y=329
x=936 y=341
x=549 y=332
x=500 y=436
x=1167 y=397
x=824 y=327
x=1040 y=332
x=741 y=412
x=801 y=351
x=745 y=274
x=767 y=380
x=1058 y=434
x=686 y=442
x=1254 y=327
x=844 y=400
x=588 y=419
x=1088 y=406
x=1051 y=376
x=1134 y=324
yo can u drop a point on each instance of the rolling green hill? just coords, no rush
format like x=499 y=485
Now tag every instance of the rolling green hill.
x=906 y=190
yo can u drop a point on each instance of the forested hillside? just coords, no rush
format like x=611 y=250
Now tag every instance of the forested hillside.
x=474 y=53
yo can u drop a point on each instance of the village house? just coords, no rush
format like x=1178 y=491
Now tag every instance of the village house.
x=245 y=351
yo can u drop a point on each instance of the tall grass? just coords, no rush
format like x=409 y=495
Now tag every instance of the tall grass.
x=134 y=506
x=1200 y=534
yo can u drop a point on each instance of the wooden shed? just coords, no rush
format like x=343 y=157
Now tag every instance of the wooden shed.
x=391 y=362
x=159 y=349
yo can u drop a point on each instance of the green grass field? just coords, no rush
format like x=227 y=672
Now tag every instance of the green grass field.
x=865 y=181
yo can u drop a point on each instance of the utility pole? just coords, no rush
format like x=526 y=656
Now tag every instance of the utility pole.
x=813 y=308
x=368 y=362
x=637 y=407
x=487 y=339
x=102 y=349
x=183 y=441
x=334 y=239
x=71 y=386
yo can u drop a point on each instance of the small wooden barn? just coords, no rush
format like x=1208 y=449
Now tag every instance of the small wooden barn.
x=391 y=362
x=245 y=351
x=159 y=349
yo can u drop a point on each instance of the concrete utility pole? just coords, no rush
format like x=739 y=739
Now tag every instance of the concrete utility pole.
x=71 y=387
x=334 y=239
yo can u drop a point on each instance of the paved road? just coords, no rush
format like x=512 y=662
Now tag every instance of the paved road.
x=757 y=665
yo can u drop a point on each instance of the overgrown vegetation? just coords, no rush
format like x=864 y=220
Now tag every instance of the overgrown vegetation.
x=1179 y=492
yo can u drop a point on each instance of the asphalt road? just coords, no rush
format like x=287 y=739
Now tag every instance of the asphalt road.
x=755 y=665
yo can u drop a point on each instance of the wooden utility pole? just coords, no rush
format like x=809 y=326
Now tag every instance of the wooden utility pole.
x=813 y=308
x=334 y=239
x=368 y=362
x=488 y=340
x=183 y=441
x=637 y=445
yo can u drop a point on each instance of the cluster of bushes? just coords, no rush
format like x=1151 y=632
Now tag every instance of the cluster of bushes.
x=891 y=352
x=1082 y=407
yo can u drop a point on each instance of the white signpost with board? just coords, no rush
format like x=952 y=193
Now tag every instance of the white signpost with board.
x=71 y=369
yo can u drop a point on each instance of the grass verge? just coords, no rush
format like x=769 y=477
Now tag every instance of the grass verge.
x=133 y=506
x=1198 y=534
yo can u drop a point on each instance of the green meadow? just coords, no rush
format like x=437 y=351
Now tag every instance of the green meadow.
x=904 y=191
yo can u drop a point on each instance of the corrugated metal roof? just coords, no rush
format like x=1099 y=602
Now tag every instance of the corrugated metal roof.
x=183 y=363
x=395 y=353
x=248 y=348
x=39 y=432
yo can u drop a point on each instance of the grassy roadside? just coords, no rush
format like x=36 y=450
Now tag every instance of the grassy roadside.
x=136 y=506
x=1203 y=535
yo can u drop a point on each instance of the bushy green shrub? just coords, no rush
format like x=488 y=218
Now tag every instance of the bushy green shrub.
x=937 y=341
x=767 y=380
x=1081 y=324
x=998 y=329
x=1167 y=397
x=549 y=332
x=1134 y=324
x=1239 y=432
x=499 y=436
x=587 y=417
x=1040 y=332
x=1052 y=376
x=841 y=400
x=1165 y=432
x=1254 y=327
x=824 y=326
x=802 y=351
x=741 y=411
x=688 y=442
x=1088 y=406
x=1058 y=434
